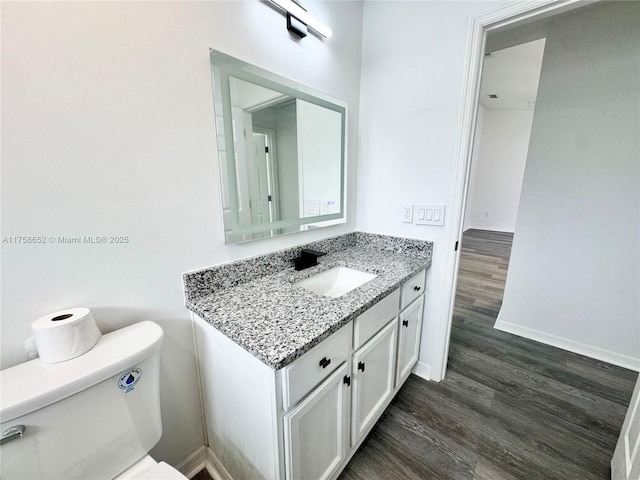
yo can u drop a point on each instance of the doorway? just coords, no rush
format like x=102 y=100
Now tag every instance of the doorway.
x=571 y=116
x=508 y=88
x=513 y=24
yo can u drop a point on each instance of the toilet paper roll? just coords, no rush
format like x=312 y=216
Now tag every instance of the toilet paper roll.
x=64 y=335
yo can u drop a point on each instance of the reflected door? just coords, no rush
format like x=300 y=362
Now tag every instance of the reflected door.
x=259 y=182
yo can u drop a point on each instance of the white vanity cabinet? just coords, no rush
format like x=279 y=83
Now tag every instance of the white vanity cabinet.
x=410 y=326
x=306 y=420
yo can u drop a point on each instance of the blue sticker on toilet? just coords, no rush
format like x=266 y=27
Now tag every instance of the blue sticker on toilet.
x=129 y=379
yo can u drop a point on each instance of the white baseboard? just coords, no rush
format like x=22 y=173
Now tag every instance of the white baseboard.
x=215 y=467
x=201 y=459
x=490 y=229
x=194 y=463
x=422 y=370
x=598 y=353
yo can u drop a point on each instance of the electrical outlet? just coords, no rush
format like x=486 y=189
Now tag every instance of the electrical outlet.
x=407 y=213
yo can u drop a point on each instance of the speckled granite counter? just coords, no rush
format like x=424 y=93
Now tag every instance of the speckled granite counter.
x=255 y=302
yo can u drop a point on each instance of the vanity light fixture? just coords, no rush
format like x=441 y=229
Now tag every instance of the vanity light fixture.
x=299 y=20
x=296 y=26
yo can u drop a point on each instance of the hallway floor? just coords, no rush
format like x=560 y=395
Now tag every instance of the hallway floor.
x=509 y=408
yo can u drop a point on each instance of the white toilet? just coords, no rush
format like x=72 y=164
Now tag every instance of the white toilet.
x=92 y=417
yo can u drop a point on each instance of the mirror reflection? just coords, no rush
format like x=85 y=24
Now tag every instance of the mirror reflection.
x=281 y=148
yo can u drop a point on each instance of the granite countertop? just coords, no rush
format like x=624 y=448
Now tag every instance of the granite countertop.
x=277 y=321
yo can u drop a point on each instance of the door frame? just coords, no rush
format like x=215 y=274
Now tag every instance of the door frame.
x=625 y=463
x=272 y=166
x=479 y=26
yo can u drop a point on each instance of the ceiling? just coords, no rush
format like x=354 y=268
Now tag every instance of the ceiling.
x=512 y=73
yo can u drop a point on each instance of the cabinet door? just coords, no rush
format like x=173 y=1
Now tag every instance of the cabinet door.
x=409 y=325
x=316 y=432
x=373 y=373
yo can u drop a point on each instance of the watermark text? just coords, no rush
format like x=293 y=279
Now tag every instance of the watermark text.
x=65 y=239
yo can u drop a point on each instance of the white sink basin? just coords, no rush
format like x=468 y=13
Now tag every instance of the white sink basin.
x=336 y=282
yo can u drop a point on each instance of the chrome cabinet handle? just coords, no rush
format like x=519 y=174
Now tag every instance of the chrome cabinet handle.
x=12 y=433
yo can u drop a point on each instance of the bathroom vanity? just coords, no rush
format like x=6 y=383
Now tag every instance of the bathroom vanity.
x=293 y=380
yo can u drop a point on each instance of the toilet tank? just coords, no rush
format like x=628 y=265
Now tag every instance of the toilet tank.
x=89 y=417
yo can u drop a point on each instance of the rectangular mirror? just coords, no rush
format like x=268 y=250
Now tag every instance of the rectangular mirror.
x=282 y=152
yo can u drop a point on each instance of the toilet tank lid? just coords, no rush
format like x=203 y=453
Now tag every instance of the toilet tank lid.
x=33 y=385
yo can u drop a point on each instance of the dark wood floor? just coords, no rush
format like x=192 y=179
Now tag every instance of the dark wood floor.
x=509 y=408
x=202 y=475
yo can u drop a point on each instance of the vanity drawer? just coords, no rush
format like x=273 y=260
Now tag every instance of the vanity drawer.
x=313 y=367
x=371 y=321
x=413 y=288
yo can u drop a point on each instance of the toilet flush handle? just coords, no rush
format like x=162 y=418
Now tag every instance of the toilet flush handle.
x=12 y=433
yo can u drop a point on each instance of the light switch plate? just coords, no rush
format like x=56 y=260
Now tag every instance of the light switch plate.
x=430 y=214
x=407 y=213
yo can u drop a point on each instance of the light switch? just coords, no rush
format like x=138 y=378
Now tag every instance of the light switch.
x=430 y=214
x=311 y=207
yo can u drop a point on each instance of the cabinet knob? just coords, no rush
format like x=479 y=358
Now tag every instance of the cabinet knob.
x=417 y=288
x=405 y=323
x=324 y=363
x=361 y=366
x=347 y=380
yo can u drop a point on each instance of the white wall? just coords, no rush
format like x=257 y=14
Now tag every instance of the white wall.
x=497 y=169
x=413 y=62
x=287 y=152
x=107 y=129
x=574 y=274
x=320 y=152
